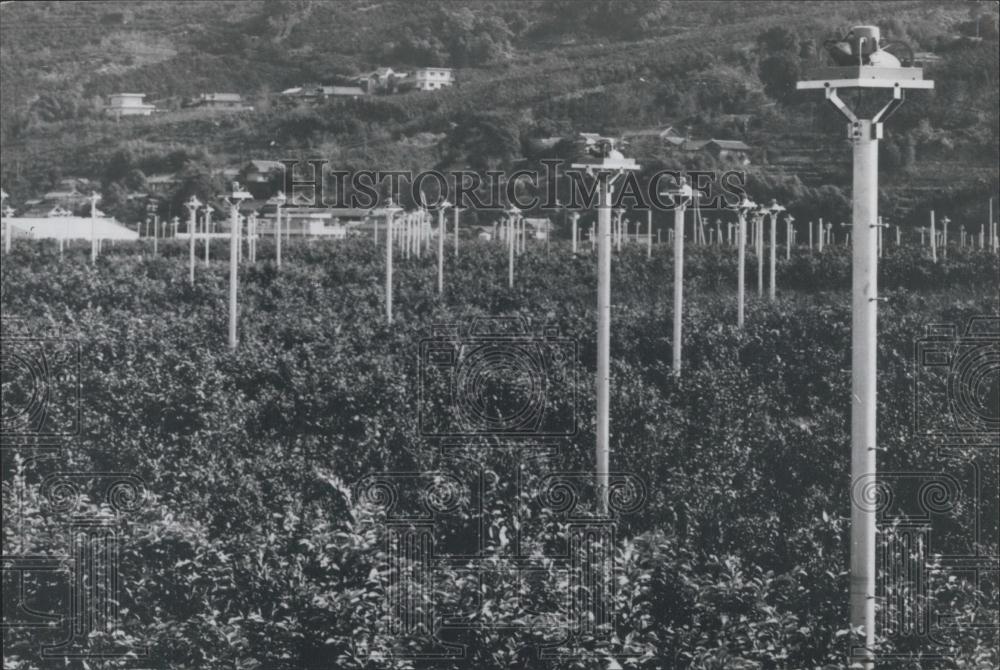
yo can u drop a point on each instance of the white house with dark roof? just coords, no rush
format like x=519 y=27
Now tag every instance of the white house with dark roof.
x=128 y=104
x=433 y=78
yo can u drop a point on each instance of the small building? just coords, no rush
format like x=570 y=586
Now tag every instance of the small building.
x=352 y=92
x=64 y=192
x=260 y=171
x=433 y=78
x=380 y=79
x=220 y=101
x=329 y=222
x=128 y=104
x=65 y=227
x=731 y=150
x=161 y=183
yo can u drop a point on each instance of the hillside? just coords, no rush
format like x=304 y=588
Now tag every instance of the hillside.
x=529 y=69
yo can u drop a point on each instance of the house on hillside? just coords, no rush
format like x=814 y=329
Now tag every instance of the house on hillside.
x=729 y=150
x=382 y=79
x=220 y=101
x=433 y=78
x=159 y=184
x=65 y=192
x=128 y=104
x=260 y=171
x=352 y=92
x=665 y=135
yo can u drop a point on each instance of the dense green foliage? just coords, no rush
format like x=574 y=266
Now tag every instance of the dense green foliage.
x=256 y=553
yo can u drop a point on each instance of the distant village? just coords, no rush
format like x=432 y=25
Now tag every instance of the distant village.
x=72 y=197
x=381 y=81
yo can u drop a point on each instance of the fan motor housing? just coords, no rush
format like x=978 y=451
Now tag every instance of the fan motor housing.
x=864 y=40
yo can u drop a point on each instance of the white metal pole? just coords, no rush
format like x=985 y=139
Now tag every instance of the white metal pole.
x=456 y=231
x=277 y=234
x=574 y=217
x=679 y=206
x=933 y=239
x=207 y=228
x=191 y=231
x=864 y=364
x=603 y=455
x=234 y=248
x=772 y=289
x=760 y=255
x=440 y=235
x=741 y=234
x=820 y=232
x=510 y=251
x=93 y=233
x=944 y=235
x=388 y=262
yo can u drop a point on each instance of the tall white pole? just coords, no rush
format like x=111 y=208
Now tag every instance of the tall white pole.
x=574 y=217
x=277 y=234
x=603 y=342
x=456 y=231
x=440 y=235
x=772 y=288
x=679 y=206
x=789 y=236
x=810 y=237
x=93 y=224
x=207 y=228
x=944 y=236
x=388 y=262
x=191 y=231
x=741 y=257
x=511 y=241
x=760 y=255
x=864 y=363
x=820 y=231
x=234 y=249
x=933 y=239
